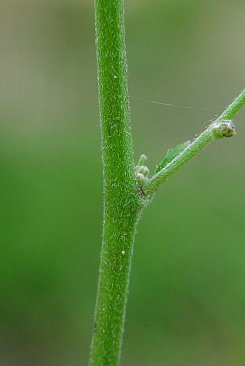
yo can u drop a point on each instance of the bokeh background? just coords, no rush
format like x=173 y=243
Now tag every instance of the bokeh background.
x=187 y=293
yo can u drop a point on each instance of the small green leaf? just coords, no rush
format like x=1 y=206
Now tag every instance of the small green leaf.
x=171 y=154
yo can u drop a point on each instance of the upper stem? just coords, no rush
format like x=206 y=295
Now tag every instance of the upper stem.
x=234 y=107
x=113 y=100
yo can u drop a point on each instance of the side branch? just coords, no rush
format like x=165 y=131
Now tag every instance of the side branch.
x=221 y=127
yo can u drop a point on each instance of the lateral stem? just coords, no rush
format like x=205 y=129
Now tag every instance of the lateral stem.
x=221 y=127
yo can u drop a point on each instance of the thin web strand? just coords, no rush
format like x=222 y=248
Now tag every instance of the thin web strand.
x=172 y=105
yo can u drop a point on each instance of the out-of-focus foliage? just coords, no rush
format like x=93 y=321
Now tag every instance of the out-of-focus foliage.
x=187 y=298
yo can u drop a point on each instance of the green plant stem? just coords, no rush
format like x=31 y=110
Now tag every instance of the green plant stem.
x=195 y=147
x=234 y=107
x=121 y=198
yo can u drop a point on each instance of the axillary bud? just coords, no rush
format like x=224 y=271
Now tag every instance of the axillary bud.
x=223 y=128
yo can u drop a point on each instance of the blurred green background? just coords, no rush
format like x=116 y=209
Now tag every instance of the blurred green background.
x=187 y=292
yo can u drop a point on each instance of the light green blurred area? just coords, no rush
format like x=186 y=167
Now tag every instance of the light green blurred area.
x=187 y=295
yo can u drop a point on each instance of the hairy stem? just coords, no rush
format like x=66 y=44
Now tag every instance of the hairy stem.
x=216 y=130
x=121 y=198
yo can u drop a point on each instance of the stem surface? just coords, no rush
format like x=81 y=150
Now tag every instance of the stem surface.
x=121 y=198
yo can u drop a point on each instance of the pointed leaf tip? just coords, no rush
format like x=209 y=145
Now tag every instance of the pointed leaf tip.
x=171 y=155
